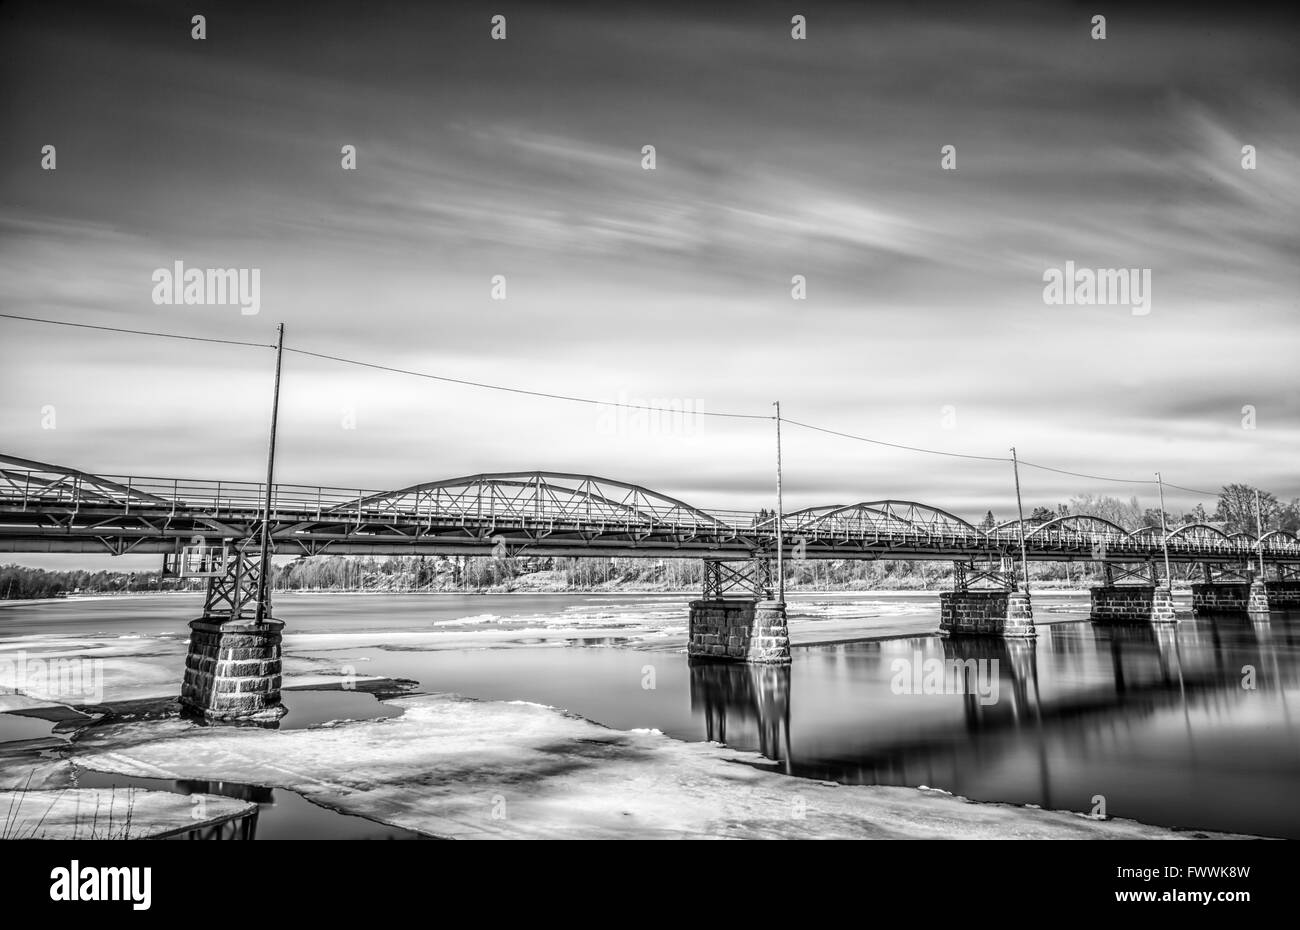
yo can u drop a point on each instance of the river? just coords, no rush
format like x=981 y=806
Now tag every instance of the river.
x=1195 y=726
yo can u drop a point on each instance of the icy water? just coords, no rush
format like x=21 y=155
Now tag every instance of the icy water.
x=1196 y=726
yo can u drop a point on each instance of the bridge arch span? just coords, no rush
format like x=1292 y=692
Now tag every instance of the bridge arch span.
x=536 y=495
x=1280 y=536
x=1077 y=526
x=60 y=483
x=881 y=516
x=1199 y=534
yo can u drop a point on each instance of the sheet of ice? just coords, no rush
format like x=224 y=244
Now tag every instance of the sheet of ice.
x=471 y=769
x=80 y=670
x=108 y=814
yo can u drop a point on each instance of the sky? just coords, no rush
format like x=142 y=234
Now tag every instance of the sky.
x=924 y=321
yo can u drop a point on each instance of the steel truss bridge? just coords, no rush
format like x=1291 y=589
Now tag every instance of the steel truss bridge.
x=49 y=508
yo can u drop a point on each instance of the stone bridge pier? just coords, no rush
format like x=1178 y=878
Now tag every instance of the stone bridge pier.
x=737 y=620
x=1143 y=601
x=998 y=610
x=1247 y=592
x=1132 y=603
x=1282 y=595
x=233 y=666
x=738 y=630
x=1213 y=597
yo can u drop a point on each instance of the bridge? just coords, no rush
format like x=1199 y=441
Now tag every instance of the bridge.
x=50 y=508
x=210 y=528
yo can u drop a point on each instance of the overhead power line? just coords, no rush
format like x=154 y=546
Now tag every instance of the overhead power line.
x=515 y=390
x=895 y=445
x=992 y=458
x=139 y=332
x=1147 y=481
x=604 y=403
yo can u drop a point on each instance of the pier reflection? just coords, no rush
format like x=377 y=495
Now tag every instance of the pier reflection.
x=744 y=703
x=1147 y=717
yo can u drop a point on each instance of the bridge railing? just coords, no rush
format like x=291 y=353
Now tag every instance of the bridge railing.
x=243 y=501
x=32 y=489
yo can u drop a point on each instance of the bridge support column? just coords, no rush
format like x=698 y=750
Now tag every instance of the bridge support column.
x=1257 y=600
x=1283 y=595
x=1132 y=604
x=233 y=669
x=1220 y=597
x=1162 y=605
x=987 y=613
x=738 y=630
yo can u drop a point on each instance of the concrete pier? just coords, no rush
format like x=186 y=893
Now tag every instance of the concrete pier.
x=987 y=613
x=738 y=630
x=233 y=670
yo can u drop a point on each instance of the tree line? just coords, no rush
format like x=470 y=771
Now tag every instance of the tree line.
x=1234 y=512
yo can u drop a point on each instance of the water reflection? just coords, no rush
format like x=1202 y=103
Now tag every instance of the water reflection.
x=1188 y=725
x=735 y=697
x=280 y=814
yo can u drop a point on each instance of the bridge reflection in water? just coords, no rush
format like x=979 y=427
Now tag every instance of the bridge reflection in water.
x=1192 y=726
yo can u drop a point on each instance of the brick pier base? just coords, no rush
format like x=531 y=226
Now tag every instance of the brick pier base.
x=1133 y=604
x=987 y=613
x=738 y=631
x=232 y=671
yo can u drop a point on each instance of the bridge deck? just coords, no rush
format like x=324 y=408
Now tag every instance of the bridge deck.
x=46 y=508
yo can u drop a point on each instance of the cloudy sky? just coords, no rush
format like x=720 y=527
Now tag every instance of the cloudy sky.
x=924 y=322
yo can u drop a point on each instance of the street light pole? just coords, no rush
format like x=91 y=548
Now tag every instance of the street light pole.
x=1020 y=509
x=1164 y=533
x=780 y=515
x=264 y=566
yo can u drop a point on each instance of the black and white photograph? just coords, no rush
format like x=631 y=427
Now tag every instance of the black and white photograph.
x=648 y=421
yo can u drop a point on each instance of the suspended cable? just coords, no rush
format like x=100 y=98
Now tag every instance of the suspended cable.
x=514 y=390
x=588 y=400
